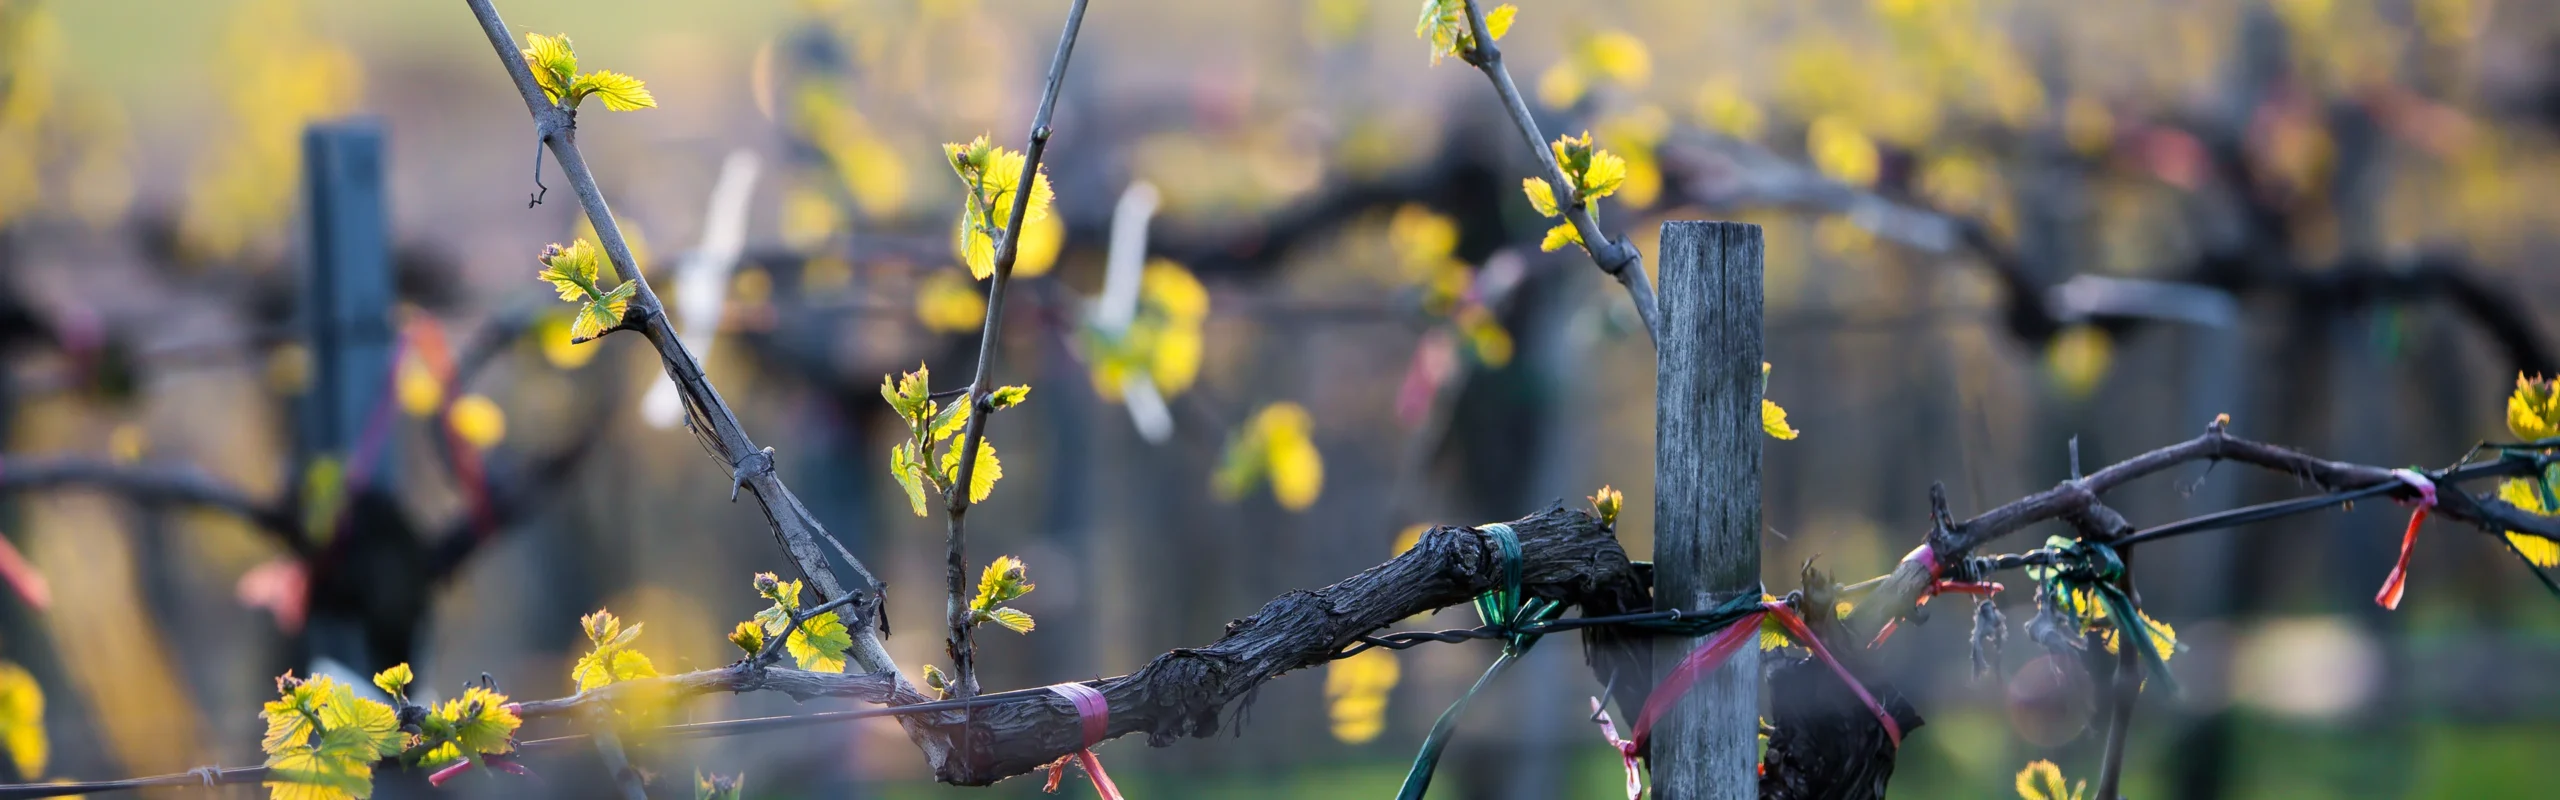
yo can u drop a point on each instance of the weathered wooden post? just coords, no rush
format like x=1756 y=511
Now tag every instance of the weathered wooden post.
x=347 y=293
x=1706 y=545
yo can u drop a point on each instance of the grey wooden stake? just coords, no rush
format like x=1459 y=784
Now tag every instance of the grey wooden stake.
x=347 y=292
x=1706 y=542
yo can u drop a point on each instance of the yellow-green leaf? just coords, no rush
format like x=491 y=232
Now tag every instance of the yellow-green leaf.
x=554 y=63
x=1542 y=197
x=1003 y=580
x=748 y=636
x=1011 y=618
x=305 y=773
x=982 y=477
x=603 y=314
x=910 y=475
x=820 y=643
x=618 y=91
x=1498 y=21
x=1773 y=420
x=1559 y=236
x=362 y=723
x=2533 y=412
x=1605 y=173
x=480 y=721
x=1008 y=396
x=2541 y=552
x=572 y=270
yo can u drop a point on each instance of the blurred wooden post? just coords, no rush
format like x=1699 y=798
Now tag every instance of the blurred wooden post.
x=1706 y=546
x=347 y=290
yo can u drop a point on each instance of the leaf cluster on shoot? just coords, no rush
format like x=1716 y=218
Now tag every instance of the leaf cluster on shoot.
x=929 y=459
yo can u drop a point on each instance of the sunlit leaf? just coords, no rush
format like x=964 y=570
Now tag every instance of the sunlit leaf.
x=1011 y=619
x=1003 y=580
x=2533 y=411
x=618 y=91
x=910 y=475
x=982 y=476
x=1008 y=396
x=1773 y=420
x=394 y=681
x=820 y=643
x=554 y=63
x=1542 y=197
x=1559 y=236
x=480 y=719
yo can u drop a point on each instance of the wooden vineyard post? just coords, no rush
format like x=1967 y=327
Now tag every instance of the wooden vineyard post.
x=1707 y=496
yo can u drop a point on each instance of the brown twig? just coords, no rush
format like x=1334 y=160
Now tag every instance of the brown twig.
x=981 y=385
x=1619 y=259
x=794 y=528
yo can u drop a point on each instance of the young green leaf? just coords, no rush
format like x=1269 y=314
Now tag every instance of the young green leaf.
x=481 y=721
x=1559 y=236
x=618 y=91
x=554 y=63
x=1444 y=23
x=2533 y=411
x=1003 y=580
x=1011 y=619
x=910 y=475
x=613 y=659
x=748 y=636
x=1008 y=396
x=1542 y=197
x=991 y=175
x=982 y=478
x=820 y=643
x=394 y=681
x=948 y=420
x=1773 y=420
x=555 y=67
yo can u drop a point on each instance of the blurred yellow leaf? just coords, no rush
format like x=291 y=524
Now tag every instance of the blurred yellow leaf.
x=1412 y=535
x=22 y=720
x=1041 y=241
x=125 y=444
x=2087 y=126
x=948 y=303
x=1422 y=238
x=807 y=218
x=2077 y=358
x=1841 y=151
x=1273 y=447
x=1722 y=107
x=420 y=393
x=479 y=421
x=552 y=332
x=1356 y=690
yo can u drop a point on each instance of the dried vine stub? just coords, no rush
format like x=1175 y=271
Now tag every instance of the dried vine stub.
x=2051 y=700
